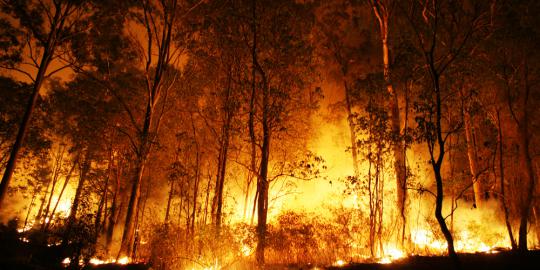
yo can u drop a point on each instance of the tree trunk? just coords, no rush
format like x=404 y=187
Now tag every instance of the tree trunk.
x=528 y=179
x=503 y=192
x=132 y=210
x=114 y=208
x=354 y=148
x=262 y=201
x=381 y=12
x=169 y=200
x=473 y=158
x=437 y=162
x=70 y=173
x=440 y=219
x=103 y=200
x=56 y=174
x=207 y=198
x=196 y=189
x=224 y=148
x=262 y=209
x=84 y=168
x=30 y=207
x=149 y=131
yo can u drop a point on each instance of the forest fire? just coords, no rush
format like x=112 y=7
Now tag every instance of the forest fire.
x=269 y=134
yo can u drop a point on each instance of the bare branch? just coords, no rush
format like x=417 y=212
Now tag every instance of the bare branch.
x=18 y=70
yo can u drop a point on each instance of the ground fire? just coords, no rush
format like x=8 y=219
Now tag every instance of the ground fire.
x=269 y=134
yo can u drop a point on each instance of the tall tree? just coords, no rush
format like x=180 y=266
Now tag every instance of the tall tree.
x=511 y=51
x=443 y=31
x=160 y=21
x=382 y=10
x=44 y=27
x=280 y=47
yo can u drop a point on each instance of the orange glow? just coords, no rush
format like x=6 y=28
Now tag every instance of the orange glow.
x=123 y=261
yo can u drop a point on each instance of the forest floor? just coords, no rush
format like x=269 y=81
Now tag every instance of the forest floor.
x=504 y=260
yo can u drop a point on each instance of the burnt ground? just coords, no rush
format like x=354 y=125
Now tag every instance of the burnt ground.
x=505 y=260
x=500 y=261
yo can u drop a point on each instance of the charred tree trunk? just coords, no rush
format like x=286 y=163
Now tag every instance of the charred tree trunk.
x=528 y=178
x=436 y=163
x=169 y=200
x=354 y=148
x=196 y=188
x=132 y=210
x=503 y=192
x=113 y=216
x=224 y=148
x=251 y=122
x=207 y=197
x=527 y=175
x=262 y=181
x=103 y=198
x=262 y=209
x=84 y=169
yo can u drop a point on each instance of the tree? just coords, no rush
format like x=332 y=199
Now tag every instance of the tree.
x=279 y=48
x=44 y=28
x=160 y=21
x=511 y=50
x=382 y=10
x=442 y=41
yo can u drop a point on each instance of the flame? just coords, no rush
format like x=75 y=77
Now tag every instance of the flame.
x=464 y=243
x=96 y=261
x=340 y=263
x=392 y=253
x=246 y=250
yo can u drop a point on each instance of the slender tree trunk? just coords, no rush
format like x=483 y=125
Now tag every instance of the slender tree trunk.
x=149 y=131
x=30 y=207
x=262 y=183
x=207 y=198
x=224 y=148
x=527 y=174
x=103 y=198
x=437 y=166
x=263 y=194
x=354 y=148
x=84 y=168
x=113 y=217
x=398 y=148
x=503 y=192
x=528 y=187
x=473 y=157
x=66 y=182
x=169 y=200
x=56 y=174
x=196 y=187
x=262 y=202
x=246 y=196
x=251 y=122
x=39 y=216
